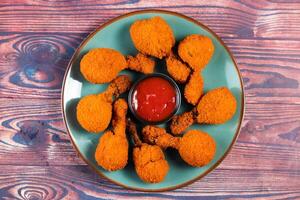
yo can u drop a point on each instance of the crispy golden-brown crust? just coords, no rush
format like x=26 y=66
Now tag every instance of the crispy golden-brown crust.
x=150 y=163
x=159 y=136
x=149 y=160
x=152 y=37
x=112 y=150
x=178 y=70
x=118 y=86
x=93 y=114
x=102 y=65
x=94 y=111
x=216 y=107
x=119 y=120
x=194 y=88
x=141 y=63
x=196 y=50
x=197 y=148
x=181 y=122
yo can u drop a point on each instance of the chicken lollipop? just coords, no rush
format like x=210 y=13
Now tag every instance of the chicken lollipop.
x=149 y=160
x=94 y=111
x=196 y=148
x=153 y=37
x=193 y=90
x=112 y=150
x=196 y=50
x=216 y=107
x=102 y=65
x=141 y=63
x=178 y=70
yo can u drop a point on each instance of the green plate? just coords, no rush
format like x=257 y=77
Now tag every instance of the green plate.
x=221 y=71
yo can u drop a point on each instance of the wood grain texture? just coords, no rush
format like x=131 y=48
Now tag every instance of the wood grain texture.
x=79 y=182
x=33 y=64
x=37 y=39
x=35 y=132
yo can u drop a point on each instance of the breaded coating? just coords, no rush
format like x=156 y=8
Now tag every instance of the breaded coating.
x=141 y=63
x=181 y=122
x=119 y=120
x=102 y=65
x=112 y=151
x=178 y=70
x=118 y=86
x=196 y=148
x=159 y=136
x=193 y=90
x=152 y=37
x=196 y=50
x=150 y=163
x=149 y=160
x=216 y=107
x=94 y=112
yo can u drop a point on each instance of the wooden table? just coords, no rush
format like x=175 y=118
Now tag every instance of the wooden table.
x=37 y=39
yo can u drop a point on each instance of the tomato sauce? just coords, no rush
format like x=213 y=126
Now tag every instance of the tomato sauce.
x=154 y=99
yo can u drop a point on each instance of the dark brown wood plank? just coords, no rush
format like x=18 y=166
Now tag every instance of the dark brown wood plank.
x=34 y=134
x=78 y=182
x=37 y=39
x=33 y=65
x=228 y=18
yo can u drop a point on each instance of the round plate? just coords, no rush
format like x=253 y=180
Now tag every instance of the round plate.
x=221 y=71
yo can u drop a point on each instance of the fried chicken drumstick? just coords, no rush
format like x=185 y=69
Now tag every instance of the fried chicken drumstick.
x=196 y=148
x=102 y=65
x=141 y=63
x=112 y=150
x=94 y=111
x=178 y=70
x=216 y=107
x=153 y=37
x=193 y=90
x=196 y=50
x=149 y=160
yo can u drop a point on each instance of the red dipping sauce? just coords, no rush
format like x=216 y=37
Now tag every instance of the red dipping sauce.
x=154 y=99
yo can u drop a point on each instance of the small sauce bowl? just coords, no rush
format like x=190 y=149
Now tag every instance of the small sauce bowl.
x=165 y=82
